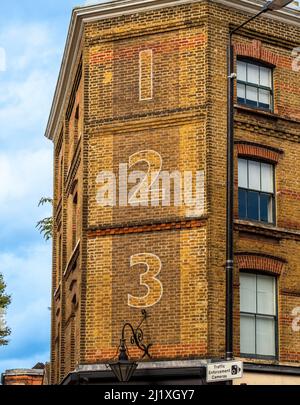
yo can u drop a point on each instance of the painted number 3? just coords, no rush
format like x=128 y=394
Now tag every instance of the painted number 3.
x=148 y=279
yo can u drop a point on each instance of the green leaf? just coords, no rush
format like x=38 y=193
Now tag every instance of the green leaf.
x=45 y=226
x=4 y=302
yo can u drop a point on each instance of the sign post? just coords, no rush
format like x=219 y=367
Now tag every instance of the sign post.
x=224 y=371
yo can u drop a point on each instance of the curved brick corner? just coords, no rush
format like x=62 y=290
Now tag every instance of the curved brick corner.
x=258 y=151
x=258 y=262
x=257 y=51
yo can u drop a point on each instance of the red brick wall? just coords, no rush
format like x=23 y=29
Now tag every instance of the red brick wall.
x=23 y=380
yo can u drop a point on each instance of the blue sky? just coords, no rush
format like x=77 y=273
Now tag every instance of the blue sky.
x=32 y=38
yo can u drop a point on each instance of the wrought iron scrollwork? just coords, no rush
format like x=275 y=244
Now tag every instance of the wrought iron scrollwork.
x=137 y=335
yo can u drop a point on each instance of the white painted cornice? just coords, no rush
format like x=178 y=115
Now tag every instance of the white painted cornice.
x=122 y=7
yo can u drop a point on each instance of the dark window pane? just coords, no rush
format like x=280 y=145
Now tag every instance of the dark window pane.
x=251 y=103
x=264 y=98
x=266 y=208
x=255 y=88
x=242 y=203
x=253 y=205
x=265 y=106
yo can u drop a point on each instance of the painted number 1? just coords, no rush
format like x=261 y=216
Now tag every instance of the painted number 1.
x=148 y=279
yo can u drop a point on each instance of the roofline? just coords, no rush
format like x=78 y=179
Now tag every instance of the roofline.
x=32 y=372
x=169 y=369
x=116 y=8
x=19 y=372
x=272 y=369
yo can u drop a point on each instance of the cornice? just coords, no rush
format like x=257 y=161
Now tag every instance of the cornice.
x=265 y=130
x=140 y=122
x=125 y=229
x=287 y=15
x=271 y=116
x=153 y=29
x=268 y=124
x=266 y=230
x=289 y=292
x=122 y=7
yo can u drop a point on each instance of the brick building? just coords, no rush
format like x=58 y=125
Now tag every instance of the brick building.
x=33 y=376
x=143 y=85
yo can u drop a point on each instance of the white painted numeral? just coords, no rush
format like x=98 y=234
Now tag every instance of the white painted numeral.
x=296 y=320
x=148 y=279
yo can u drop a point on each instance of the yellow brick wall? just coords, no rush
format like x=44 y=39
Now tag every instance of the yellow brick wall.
x=175 y=147
x=185 y=122
x=177 y=323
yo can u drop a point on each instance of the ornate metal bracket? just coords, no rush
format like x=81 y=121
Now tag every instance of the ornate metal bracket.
x=136 y=337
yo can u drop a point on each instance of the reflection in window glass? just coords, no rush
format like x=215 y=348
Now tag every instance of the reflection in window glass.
x=258 y=315
x=254 y=85
x=256 y=190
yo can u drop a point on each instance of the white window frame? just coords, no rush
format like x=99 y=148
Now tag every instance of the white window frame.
x=256 y=315
x=260 y=191
x=254 y=86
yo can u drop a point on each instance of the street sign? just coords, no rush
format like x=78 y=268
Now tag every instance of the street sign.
x=224 y=371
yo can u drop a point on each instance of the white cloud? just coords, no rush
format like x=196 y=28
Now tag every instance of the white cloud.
x=91 y=2
x=27 y=274
x=25 y=156
x=24 y=105
x=25 y=176
x=28 y=44
x=32 y=54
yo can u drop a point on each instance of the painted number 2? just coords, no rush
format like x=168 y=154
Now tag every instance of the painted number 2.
x=148 y=279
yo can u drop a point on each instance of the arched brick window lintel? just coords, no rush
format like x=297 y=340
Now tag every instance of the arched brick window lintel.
x=255 y=50
x=261 y=152
x=259 y=262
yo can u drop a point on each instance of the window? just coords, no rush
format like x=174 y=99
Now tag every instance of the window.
x=59 y=266
x=61 y=177
x=258 y=321
x=256 y=190
x=254 y=85
x=74 y=221
x=76 y=127
x=74 y=303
